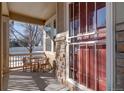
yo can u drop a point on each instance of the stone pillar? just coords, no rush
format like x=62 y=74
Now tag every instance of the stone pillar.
x=61 y=57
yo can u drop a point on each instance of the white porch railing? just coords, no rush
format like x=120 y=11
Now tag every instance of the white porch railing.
x=16 y=60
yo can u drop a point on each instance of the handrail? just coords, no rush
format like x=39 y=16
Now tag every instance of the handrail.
x=15 y=54
x=16 y=60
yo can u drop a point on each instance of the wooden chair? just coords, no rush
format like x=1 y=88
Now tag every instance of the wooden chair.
x=26 y=64
x=44 y=64
x=35 y=64
x=48 y=65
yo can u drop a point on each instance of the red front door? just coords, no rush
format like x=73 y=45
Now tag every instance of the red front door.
x=87 y=48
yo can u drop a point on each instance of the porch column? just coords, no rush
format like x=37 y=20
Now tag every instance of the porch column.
x=0 y=46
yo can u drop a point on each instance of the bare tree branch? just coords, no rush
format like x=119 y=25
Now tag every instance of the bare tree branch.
x=32 y=35
x=18 y=40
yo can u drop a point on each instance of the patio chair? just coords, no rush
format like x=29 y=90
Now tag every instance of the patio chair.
x=35 y=64
x=44 y=64
x=26 y=64
x=47 y=65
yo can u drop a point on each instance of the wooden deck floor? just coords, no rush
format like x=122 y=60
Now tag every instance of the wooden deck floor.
x=33 y=81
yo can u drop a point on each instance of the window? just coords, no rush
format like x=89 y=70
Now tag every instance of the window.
x=87 y=51
x=101 y=15
x=48 y=44
x=76 y=18
x=91 y=16
x=82 y=71
x=91 y=66
x=101 y=70
x=76 y=62
x=71 y=61
x=50 y=33
x=71 y=19
x=48 y=30
x=83 y=17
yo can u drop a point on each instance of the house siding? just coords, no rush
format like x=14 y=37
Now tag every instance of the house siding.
x=119 y=46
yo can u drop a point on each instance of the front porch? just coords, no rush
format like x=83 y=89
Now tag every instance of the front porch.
x=84 y=39
x=34 y=81
x=40 y=75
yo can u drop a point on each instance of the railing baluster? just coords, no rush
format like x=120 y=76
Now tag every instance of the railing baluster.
x=12 y=62
x=16 y=60
x=9 y=61
x=19 y=62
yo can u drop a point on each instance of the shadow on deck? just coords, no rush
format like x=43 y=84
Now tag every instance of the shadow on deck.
x=33 y=81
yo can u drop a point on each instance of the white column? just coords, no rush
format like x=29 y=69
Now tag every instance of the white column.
x=0 y=46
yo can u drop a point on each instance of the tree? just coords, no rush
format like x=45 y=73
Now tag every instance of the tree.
x=13 y=43
x=29 y=37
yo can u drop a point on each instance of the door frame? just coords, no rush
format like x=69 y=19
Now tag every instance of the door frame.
x=110 y=46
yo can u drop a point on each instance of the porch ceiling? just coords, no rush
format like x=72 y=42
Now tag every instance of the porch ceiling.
x=41 y=11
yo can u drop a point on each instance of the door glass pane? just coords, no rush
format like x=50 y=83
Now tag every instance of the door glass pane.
x=101 y=20
x=101 y=67
x=83 y=64
x=91 y=66
x=71 y=12
x=91 y=17
x=76 y=63
x=76 y=18
x=101 y=15
x=71 y=61
x=82 y=17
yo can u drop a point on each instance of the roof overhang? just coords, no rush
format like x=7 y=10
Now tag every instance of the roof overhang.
x=31 y=12
x=25 y=18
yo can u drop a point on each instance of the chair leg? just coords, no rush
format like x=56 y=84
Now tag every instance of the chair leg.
x=23 y=68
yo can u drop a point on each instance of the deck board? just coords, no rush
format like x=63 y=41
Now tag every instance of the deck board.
x=33 y=81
